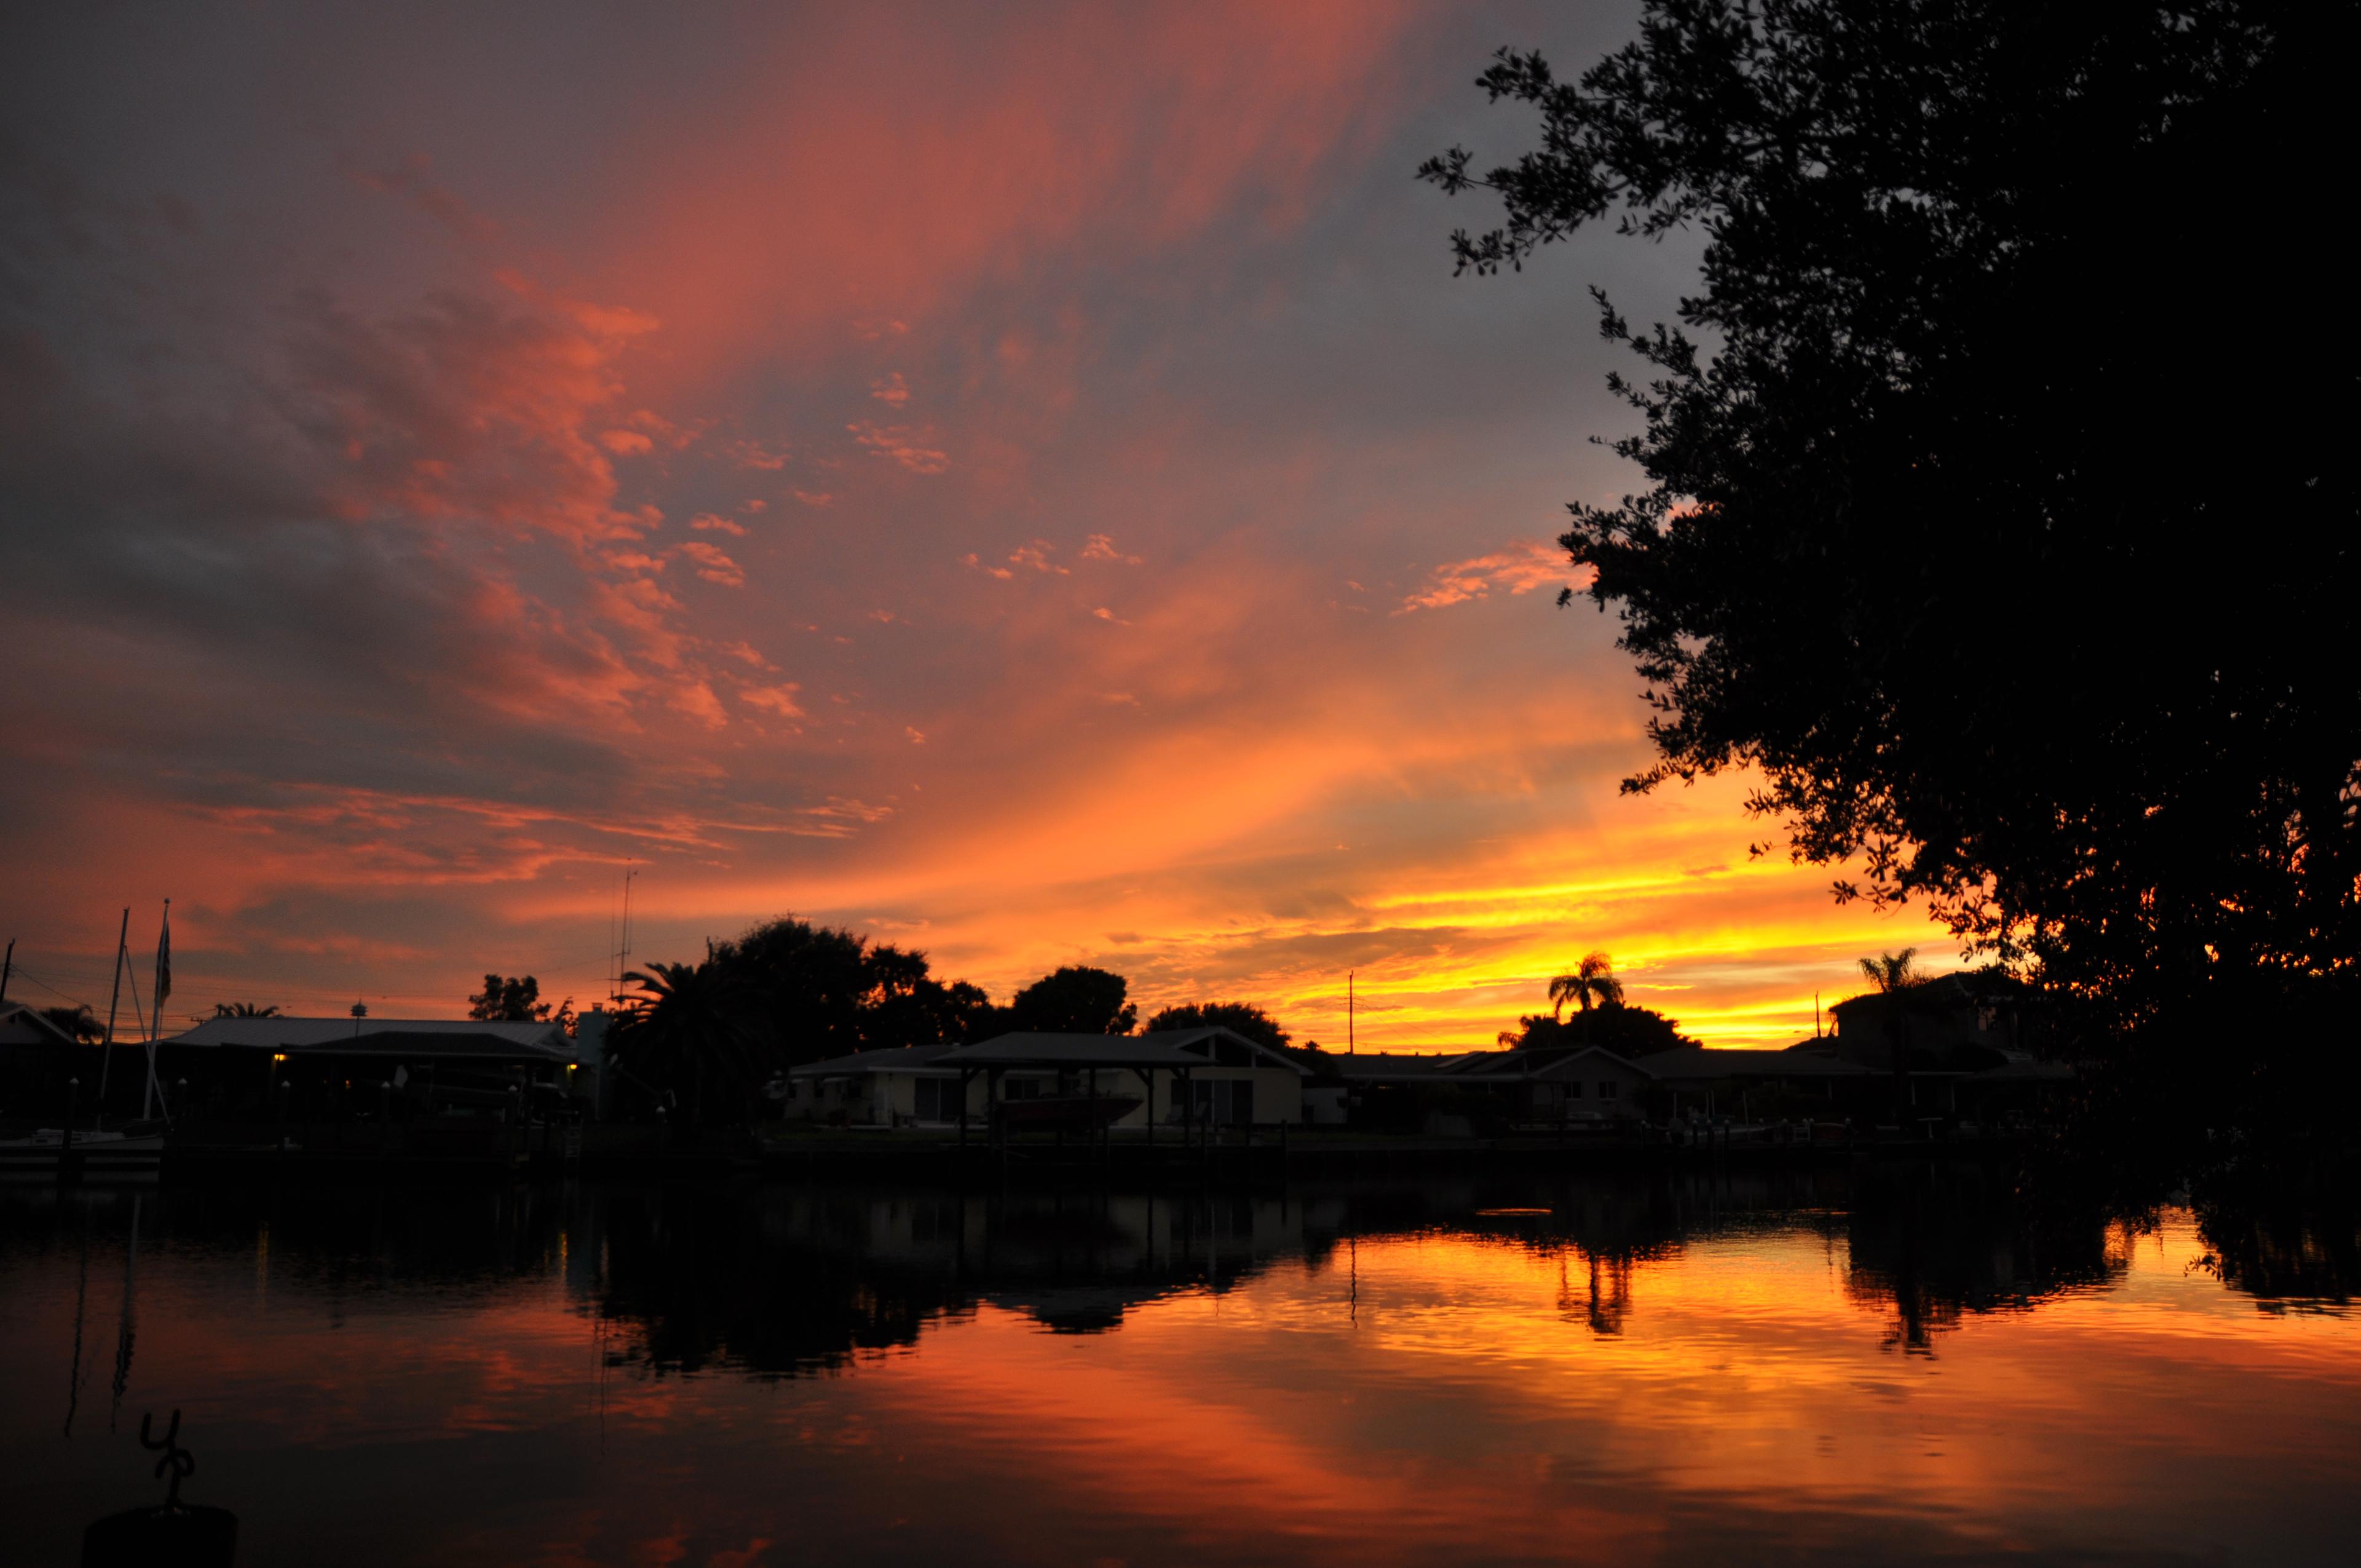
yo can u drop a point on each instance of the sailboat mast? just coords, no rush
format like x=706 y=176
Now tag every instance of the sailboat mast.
x=122 y=942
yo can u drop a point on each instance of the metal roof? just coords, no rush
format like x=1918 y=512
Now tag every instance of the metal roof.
x=1379 y=1067
x=1024 y=1049
x=886 y=1058
x=1700 y=1064
x=410 y=1037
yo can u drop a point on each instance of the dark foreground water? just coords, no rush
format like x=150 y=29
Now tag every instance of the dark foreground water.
x=1905 y=1366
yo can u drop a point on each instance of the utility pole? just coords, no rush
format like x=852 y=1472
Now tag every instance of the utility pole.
x=9 y=966
x=1349 y=1040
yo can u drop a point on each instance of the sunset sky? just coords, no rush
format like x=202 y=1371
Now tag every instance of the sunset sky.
x=1021 y=481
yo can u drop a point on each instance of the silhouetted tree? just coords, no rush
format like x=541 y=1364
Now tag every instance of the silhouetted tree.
x=1592 y=984
x=690 y=1032
x=78 y=1022
x=1893 y=975
x=1626 y=1030
x=817 y=992
x=1075 y=1000
x=514 y=999
x=244 y=1010
x=1975 y=521
x=1244 y=1017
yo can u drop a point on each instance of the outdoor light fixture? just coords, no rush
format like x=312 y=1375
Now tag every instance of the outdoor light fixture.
x=278 y=1056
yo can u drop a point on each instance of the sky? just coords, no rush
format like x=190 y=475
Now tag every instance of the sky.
x=1022 y=482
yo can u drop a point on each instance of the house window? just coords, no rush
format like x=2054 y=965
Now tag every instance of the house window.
x=1225 y=1100
x=1609 y=1090
x=1574 y=1089
x=937 y=1099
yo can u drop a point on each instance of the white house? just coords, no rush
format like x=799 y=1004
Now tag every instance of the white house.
x=1170 y=1078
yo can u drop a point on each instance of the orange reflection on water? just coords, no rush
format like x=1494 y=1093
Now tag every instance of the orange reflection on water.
x=1487 y=1390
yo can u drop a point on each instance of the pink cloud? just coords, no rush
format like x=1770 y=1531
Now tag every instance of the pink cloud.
x=1036 y=557
x=755 y=454
x=778 y=700
x=900 y=444
x=1100 y=548
x=1520 y=568
x=718 y=524
x=713 y=565
x=891 y=388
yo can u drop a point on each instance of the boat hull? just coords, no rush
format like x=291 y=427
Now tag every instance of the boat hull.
x=1069 y=1113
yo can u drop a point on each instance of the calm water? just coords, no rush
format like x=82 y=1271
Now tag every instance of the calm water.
x=1673 y=1371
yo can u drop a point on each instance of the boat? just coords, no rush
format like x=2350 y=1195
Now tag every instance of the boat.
x=137 y=1149
x=1068 y=1112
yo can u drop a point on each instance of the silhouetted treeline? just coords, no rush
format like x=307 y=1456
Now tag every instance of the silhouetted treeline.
x=1985 y=515
x=702 y=1038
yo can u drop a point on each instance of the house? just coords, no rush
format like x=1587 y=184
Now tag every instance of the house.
x=1452 y=1092
x=234 y=1064
x=1695 y=1078
x=1962 y=1022
x=1211 y=1075
x=1589 y=1085
x=37 y=1058
x=880 y=1089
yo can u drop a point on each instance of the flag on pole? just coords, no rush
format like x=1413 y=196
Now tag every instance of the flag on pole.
x=163 y=966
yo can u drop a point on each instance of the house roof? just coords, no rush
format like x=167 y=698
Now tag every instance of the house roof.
x=886 y=1058
x=1550 y=1062
x=1959 y=988
x=1172 y=1048
x=23 y=1025
x=2026 y=1071
x=1403 y=1067
x=411 y=1039
x=1700 y=1064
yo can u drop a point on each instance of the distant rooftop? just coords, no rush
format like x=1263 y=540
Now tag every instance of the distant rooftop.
x=383 y=1036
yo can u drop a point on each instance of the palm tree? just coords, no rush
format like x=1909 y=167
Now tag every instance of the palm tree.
x=243 y=1010
x=1592 y=984
x=690 y=1025
x=1893 y=974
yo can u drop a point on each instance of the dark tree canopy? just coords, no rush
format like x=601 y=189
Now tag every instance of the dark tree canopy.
x=1997 y=507
x=78 y=1022
x=515 y=999
x=249 y=1010
x=817 y=992
x=1626 y=1030
x=1075 y=1000
x=1244 y=1017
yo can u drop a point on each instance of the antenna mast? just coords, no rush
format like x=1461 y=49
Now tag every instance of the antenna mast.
x=623 y=953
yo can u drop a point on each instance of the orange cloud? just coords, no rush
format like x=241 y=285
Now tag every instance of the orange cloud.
x=1520 y=569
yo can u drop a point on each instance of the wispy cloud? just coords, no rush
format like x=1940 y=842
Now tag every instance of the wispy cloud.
x=780 y=701
x=1100 y=548
x=712 y=564
x=901 y=444
x=1520 y=569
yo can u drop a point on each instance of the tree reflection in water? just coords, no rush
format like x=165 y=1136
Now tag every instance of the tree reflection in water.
x=778 y=1282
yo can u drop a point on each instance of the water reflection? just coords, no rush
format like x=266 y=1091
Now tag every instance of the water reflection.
x=1857 y=1366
